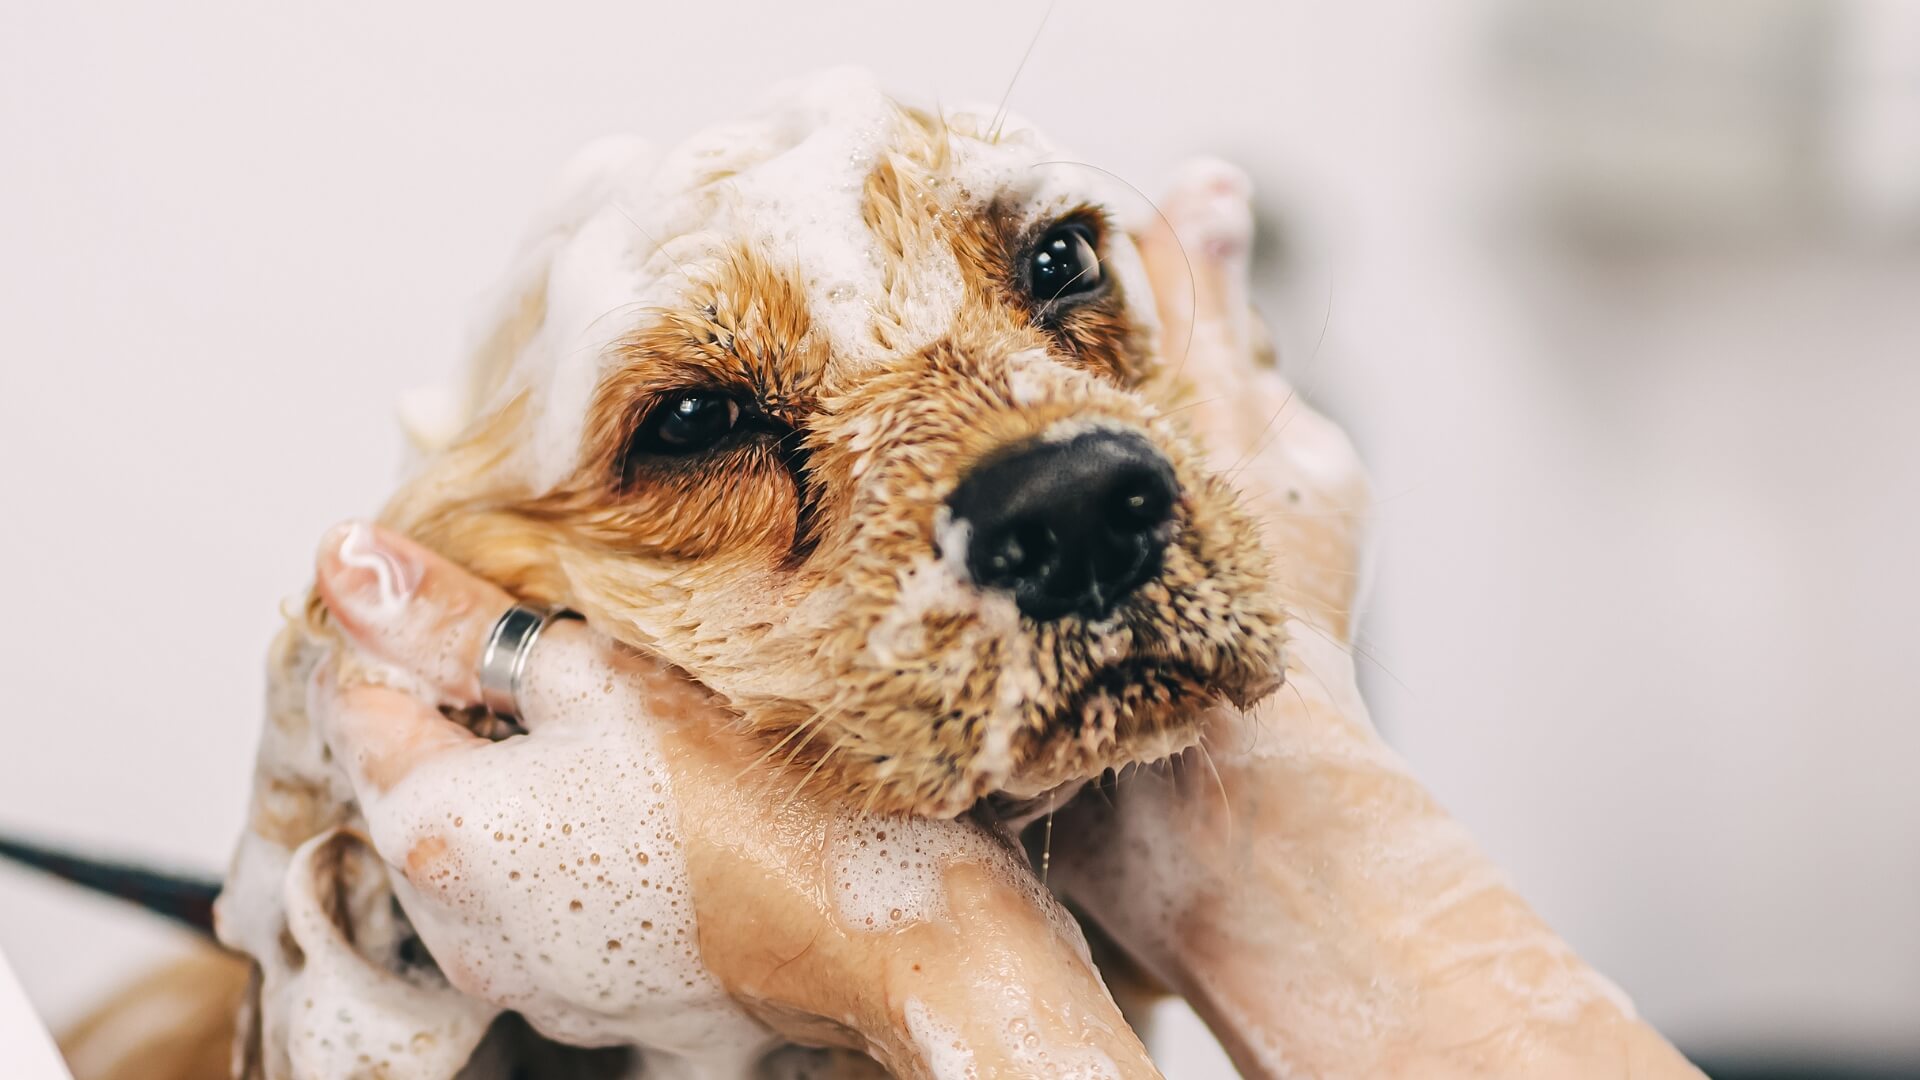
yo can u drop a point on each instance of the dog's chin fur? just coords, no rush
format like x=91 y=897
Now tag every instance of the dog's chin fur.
x=812 y=578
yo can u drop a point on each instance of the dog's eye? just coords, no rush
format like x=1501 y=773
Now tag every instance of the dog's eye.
x=687 y=422
x=1064 y=263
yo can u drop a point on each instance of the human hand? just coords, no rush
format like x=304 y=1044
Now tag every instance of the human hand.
x=631 y=870
x=1290 y=878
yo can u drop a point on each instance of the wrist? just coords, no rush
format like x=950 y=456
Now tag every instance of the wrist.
x=1357 y=930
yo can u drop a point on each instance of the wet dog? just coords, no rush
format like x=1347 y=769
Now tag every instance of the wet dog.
x=856 y=414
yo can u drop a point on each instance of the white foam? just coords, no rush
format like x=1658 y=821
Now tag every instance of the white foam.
x=631 y=230
x=941 y=1046
x=888 y=872
x=348 y=1016
x=563 y=892
x=393 y=581
x=1031 y=1053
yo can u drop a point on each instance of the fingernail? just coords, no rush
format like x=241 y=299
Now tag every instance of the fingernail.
x=371 y=570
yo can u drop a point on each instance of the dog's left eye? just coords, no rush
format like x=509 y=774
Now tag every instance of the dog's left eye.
x=1064 y=262
x=688 y=422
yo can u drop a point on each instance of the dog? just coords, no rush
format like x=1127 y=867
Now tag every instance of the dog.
x=856 y=413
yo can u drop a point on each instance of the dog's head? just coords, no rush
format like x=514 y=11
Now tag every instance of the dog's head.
x=855 y=413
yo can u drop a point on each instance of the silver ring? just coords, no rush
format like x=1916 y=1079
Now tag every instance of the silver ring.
x=503 y=663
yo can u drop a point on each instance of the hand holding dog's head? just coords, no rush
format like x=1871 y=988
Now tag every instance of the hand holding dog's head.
x=849 y=412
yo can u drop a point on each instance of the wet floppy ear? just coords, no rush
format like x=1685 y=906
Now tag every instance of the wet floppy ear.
x=434 y=416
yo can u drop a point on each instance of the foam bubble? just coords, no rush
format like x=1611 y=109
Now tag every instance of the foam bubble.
x=887 y=872
x=944 y=1050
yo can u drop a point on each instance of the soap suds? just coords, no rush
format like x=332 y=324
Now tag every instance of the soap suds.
x=888 y=872
x=350 y=1016
x=553 y=882
x=789 y=183
x=394 y=581
x=941 y=1045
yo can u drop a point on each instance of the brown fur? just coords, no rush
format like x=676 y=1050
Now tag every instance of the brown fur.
x=774 y=570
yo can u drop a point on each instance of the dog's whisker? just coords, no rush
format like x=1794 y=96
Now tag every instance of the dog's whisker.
x=1263 y=445
x=650 y=238
x=1226 y=801
x=1352 y=649
x=811 y=728
x=1000 y=113
x=1193 y=280
x=1046 y=840
x=1326 y=320
x=646 y=306
x=1256 y=450
x=873 y=796
x=808 y=778
x=769 y=751
x=1084 y=271
x=1250 y=721
x=1302 y=698
x=813 y=723
x=1177 y=409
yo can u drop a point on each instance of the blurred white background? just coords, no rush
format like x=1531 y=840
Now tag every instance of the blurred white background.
x=1621 y=299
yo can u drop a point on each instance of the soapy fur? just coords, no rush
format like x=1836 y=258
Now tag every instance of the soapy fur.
x=850 y=264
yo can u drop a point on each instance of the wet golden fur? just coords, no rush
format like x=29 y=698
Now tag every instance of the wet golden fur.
x=797 y=570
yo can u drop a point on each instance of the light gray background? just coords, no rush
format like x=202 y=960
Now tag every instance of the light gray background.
x=1618 y=298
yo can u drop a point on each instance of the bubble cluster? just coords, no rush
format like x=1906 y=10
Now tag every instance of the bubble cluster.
x=888 y=872
x=566 y=895
x=941 y=1045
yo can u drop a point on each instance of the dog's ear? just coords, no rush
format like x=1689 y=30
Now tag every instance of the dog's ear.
x=433 y=416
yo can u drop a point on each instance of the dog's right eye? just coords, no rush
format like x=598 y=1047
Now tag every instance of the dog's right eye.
x=687 y=422
x=1064 y=263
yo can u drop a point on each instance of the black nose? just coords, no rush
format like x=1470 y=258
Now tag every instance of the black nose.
x=1068 y=527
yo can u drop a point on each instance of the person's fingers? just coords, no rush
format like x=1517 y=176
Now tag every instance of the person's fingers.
x=379 y=734
x=1210 y=209
x=409 y=607
x=436 y=1025
x=1175 y=288
x=1293 y=465
x=1197 y=255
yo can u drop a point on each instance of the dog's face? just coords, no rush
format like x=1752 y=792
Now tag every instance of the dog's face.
x=855 y=414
